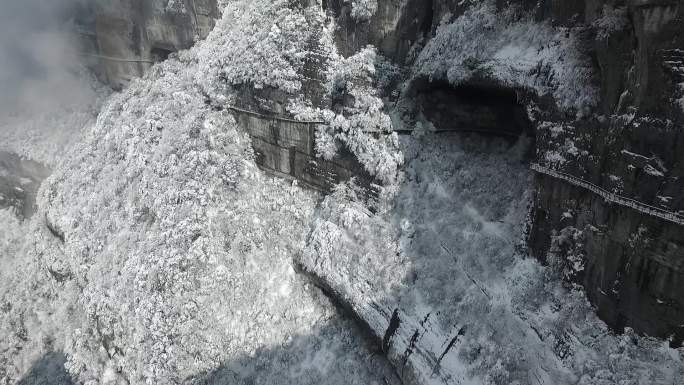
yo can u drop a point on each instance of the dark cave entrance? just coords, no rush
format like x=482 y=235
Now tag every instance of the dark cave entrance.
x=479 y=109
x=160 y=54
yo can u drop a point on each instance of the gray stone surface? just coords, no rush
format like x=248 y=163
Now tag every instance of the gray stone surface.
x=48 y=370
x=19 y=183
x=633 y=263
x=631 y=143
x=286 y=147
x=122 y=38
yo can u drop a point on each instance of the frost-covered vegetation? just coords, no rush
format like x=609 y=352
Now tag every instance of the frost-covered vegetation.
x=363 y=9
x=363 y=126
x=449 y=249
x=259 y=43
x=512 y=49
x=162 y=255
x=612 y=20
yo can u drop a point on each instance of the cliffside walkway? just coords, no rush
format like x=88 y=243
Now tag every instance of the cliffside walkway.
x=480 y=131
x=118 y=59
x=272 y=117
x=611 y=197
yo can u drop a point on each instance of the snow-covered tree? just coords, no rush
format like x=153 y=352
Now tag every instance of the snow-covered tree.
x=511 y=48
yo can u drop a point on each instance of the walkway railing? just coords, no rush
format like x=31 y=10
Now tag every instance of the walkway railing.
x=118 y=59
x=612 y=197
x=483 y=131
x=272 y=117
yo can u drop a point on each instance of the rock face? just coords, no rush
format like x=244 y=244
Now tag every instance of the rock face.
x=123 y=38
x=19 y=183
x=631 y=264
x=393 y=28
x=631 y=144
x=286 y=148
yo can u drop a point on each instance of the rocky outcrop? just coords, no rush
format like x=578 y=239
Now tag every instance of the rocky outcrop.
x=414 y=344
x=121 y=39
x=394 y=28
x=630 y=263
x=630 y=143
x=19 y=183
x=286 y=147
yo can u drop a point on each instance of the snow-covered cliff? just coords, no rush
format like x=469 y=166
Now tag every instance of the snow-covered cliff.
x=161 y=253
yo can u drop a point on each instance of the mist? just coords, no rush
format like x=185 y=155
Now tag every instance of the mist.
x=39 y=62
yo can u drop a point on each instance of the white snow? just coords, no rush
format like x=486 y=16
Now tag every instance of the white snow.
x=514 y=51
x=650 y=170
x=177 y=255
x=176 y=259
x=450 y=254
x=363 y=9
x=364 y=128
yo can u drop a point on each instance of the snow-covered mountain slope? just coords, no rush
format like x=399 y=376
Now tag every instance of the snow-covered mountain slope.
x=161 y=254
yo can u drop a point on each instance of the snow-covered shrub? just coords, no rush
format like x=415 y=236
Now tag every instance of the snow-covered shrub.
x=566 y=256
x=270 y=45
x=32 y=322
x=176 y=6
x=363 y=10
x=263 y=44
x=362 y=126
x=514 y=51
x=612 y=20
x=350 y=241
x=561 y=147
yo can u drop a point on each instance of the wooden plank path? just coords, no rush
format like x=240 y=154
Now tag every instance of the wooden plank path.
x=612 y=197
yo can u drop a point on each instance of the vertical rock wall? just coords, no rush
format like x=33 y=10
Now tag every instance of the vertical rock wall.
x=123 y=38
x=631 y=264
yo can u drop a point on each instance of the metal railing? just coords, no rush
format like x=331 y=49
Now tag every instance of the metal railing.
x=272 y=117
x=117 y=59
x=482 y=131
x=612 y=197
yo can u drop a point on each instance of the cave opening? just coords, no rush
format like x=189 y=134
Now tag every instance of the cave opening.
x=160 y=54
x=487 y=110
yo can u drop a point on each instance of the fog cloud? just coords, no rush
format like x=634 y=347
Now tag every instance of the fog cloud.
x=39 y=67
